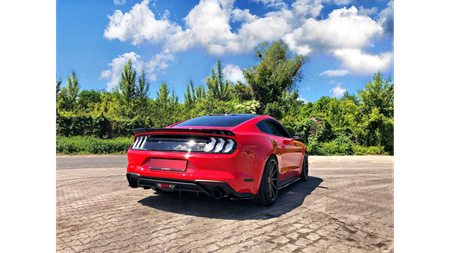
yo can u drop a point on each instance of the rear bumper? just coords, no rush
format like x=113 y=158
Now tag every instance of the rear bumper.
x=201 y=186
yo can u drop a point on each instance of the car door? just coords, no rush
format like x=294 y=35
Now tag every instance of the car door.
x=290 y=153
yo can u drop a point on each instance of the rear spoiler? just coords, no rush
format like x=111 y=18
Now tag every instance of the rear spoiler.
x=204 y=130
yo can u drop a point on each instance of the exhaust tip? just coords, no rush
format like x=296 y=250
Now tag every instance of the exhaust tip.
x=217 y=193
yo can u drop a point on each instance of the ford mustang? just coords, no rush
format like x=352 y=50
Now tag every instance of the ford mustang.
x=239 y=156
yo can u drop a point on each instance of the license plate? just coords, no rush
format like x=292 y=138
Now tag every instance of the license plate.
x=167 y=164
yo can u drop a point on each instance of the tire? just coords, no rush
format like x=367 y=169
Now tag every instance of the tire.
x=268 y=189
x=305 y=168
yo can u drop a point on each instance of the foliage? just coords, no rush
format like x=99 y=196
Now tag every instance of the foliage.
x=219 y=89
x=127 y=82
x=70 y=125
x=361 y=123
x=278 y=70
x=91 y=145
x=68 y=96
x=249 y=107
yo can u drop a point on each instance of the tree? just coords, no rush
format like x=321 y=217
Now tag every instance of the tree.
x=58 y=88
x=166 y=108
x=375 y=116
x=189 y=96
x=69 y=94
x=162 y=96
x=218 y=87
x=379 y=93
x=127 y=83
x=143 y=87
x=87 y=97
x=242 y=91
x=278 y=70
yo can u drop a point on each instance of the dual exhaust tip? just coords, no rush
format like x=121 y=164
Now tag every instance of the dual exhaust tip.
x=217 y=193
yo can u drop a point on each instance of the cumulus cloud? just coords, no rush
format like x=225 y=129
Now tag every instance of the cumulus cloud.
x=357 y=61
x=386 y=19
x=308 y=8
x=119 y=2
x=269 y=28
x=338 y=91
x=367 y=12
x=272 y=3
x=208 y=26
x=233 y=73
x=343 y=34
x=156 y=64
x=238 y=15
x=113 y=74
x=344 y=28
x=335 y=73
x=139 y=24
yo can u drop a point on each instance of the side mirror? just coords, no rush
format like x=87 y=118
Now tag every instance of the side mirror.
x=297 y=136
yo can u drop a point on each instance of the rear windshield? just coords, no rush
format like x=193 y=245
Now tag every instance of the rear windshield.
x=218 y=120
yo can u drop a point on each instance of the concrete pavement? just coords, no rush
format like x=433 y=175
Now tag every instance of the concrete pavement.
x=345 y=206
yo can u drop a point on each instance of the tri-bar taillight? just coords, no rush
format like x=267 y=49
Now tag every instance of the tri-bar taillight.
x=185 y=143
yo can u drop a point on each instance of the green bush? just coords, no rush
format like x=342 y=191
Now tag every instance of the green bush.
x=92 y=145
x=373 y=150
x=70 y=125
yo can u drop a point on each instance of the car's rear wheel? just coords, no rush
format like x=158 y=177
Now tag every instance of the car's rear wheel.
x=305 y=168
x=268 y=189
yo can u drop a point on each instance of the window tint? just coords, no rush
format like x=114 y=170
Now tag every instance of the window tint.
x=218 y=120
x=263 y=127
x=274 y=129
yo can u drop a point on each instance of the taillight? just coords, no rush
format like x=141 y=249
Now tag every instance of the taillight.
x=220 y=145
x=187 y=143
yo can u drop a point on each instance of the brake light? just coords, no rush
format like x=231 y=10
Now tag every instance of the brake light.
x=221 y=145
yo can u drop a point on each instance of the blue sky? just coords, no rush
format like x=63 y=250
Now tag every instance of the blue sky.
x=346 y=41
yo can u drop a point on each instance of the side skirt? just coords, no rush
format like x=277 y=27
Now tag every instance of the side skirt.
x=288 y=182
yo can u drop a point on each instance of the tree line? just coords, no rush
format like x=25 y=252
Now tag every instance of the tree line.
x=354 y=124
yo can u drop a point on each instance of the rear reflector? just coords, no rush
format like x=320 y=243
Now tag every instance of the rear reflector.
x=171 y=186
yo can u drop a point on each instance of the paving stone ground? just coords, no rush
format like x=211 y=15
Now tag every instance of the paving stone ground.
x=347 y=205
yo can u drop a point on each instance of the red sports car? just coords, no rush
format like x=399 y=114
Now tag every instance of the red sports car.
x=230 y=155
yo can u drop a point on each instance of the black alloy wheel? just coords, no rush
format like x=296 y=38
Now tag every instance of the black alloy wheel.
x=268 y=189
x=305 y=168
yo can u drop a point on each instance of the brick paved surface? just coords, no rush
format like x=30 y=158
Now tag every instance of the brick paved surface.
x=345 y=206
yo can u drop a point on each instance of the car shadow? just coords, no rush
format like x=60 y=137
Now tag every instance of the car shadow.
x=289 y=198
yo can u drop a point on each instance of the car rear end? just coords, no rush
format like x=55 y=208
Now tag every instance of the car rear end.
x=195 y=159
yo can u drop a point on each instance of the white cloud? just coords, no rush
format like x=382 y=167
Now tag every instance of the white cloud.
x=272 y=3
x=269 y=28
x=308 y=8
x=119 y=2
x=357 y=61
x=338 y=91
x=208 y=26
x=113 y=75
x=335 y=73
x=156 y=64
x=343 y=34
x=233 y=73
x=139 y=24
x=386 y=18
x=343 y=29
x=307 y=88
x=301 y=98
x=367 y=12
x=238 y=15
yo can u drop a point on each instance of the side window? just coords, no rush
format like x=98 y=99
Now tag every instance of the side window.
x=277 y=129
x=274 y=129
x=264 y=127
